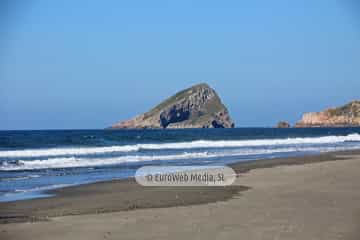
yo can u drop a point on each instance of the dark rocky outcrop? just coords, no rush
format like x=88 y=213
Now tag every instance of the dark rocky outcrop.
x=283 y=124
x=344 y=116
x=195 y=107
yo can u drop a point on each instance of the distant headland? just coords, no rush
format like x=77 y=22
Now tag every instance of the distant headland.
x=201 y=107
x=196 y=107
x=347 y=115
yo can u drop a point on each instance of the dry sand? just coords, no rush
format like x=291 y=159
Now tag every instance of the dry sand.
x=320 y=200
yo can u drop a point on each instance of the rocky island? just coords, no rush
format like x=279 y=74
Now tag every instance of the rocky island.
x=283 y=124
x=196 y=107
x=347 y=115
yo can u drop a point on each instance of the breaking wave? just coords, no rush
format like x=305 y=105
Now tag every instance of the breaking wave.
x=200 y=144
x=76 y=162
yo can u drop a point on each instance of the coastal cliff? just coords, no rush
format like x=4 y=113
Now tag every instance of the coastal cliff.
x=196 y=107
x=344 y=116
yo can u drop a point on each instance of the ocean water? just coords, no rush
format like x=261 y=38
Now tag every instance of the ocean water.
x=34 y=161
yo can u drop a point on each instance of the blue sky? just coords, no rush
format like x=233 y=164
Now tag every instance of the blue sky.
x=88 y=64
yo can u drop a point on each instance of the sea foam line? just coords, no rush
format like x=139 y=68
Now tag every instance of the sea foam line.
x=177 y=145
x=74 y=162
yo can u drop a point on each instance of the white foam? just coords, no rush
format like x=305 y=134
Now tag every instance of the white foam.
x=73 y=162
x=44 y=188
x=179 y=145
x=68 y=151
x=18 y=178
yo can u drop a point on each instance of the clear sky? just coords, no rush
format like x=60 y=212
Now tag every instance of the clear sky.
x=87 y=64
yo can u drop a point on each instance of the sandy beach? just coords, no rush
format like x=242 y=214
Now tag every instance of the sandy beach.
x=179 y=120
x=311 y=197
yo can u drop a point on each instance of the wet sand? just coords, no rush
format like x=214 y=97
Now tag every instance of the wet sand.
x=272 y=199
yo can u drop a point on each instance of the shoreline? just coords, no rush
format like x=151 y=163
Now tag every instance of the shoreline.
x=126 y=194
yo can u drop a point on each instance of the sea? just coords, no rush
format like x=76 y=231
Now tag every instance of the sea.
x=32 y=162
